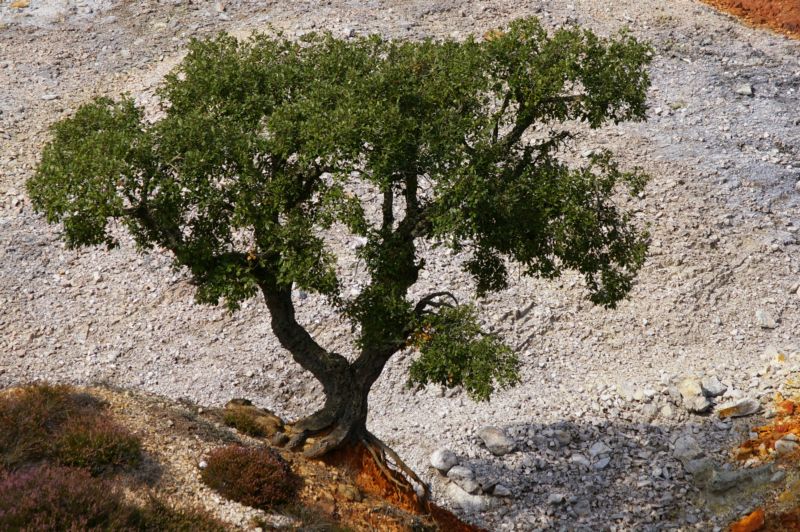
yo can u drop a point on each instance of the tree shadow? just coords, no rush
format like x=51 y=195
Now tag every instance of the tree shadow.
x=600 y=476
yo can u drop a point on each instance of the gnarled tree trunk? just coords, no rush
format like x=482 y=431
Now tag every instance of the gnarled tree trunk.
x=342 y=421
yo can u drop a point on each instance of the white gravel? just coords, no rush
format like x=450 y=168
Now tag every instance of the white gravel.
x=723 y=209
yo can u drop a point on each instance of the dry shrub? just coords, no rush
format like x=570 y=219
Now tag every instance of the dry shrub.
x=60 y=498
x=28 y=418
x=255 y=476
x=157 y=516
x=243 y=421
x=52 y=422
x=96 y=443
x=56 y=498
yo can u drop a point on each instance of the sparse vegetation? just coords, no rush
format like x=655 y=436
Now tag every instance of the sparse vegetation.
x=51 y=498
x=47 y=422
x=243 y=421
x=55 y=498
x=55 y=443
x=97 y=444
x=255 y=476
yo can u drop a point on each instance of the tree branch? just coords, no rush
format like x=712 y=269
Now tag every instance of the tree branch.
x=428 y=301
x=499 y=116
x=294 y=337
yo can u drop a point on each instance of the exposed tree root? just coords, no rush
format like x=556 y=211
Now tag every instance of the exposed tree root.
x=319 y=441
x=396 y=471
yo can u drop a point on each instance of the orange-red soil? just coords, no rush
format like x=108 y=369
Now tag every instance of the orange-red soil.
x=780 y=15
x=368 y=477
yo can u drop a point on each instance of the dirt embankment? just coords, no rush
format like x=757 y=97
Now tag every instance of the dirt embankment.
x=781 y=15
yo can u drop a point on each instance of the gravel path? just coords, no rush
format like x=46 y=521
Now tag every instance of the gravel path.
x=723 y=147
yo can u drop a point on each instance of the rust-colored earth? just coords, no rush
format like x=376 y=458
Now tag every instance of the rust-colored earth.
x=780 y=15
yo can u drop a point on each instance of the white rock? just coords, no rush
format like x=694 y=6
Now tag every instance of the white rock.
x=555 y=498
x=460 y=473
x=712 y=387
x=444 y=460
x=468 y=502
x=785 y=446
x=738 y=408
x=745 y=89
x=765 y=320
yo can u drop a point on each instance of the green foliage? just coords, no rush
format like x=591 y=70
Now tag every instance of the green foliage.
x=267 y=143
x=455 y=352
x=46 y=422
x=257 y=477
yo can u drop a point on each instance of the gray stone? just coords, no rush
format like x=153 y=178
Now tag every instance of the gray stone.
x=686 y=448
x=785 y=446
x=582 y=507
x=765 y=320
x=444 y=460
x=722 y=480
x=501 y=491
x=555 y=499
x=468 y=502
x=712 y=387
x=738 y=408
x=602 y=463
x=496 y=441
x=457 y=473
x=745 y=89
x=598 y=449
x=563 y=437
x=580 y=459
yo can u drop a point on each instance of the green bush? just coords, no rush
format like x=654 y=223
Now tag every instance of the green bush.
x=255 y=476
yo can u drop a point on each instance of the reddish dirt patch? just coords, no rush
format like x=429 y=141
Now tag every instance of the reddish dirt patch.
x=780 y=15
x=368 y=477
x=786 y=421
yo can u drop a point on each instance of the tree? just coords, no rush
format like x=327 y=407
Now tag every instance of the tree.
x=261 y=146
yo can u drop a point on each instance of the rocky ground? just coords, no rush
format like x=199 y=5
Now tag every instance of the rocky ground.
x=602 y=435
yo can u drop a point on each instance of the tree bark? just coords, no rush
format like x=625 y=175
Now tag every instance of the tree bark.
x=343 y=417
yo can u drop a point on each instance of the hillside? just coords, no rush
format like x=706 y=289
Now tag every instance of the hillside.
x=599 y=422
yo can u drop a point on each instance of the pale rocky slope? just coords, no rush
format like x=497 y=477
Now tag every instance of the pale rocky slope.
x=722 y=204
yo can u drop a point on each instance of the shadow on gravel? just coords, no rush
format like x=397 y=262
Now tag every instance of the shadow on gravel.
x=597 y=476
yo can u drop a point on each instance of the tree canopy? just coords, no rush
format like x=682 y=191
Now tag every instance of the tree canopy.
x=261 y=145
